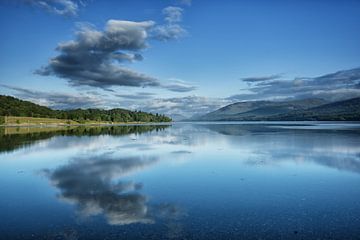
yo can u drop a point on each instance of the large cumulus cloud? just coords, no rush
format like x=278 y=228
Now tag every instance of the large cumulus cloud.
x=98 y=58
x=94 y=57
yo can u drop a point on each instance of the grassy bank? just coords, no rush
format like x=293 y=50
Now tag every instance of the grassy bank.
x=36 y=121
x=34 y=129
x=31 y=121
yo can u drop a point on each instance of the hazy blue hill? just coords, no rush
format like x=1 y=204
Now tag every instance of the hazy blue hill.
x=346 y=106
x=347 y=110
x=307 y=109
x=178 y=117
x=10 y=106
x=253 y=110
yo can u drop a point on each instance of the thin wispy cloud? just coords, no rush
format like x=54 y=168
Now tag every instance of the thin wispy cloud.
x=186 y=106
x=137 y=96
x=173 y=14
x=180 y=86
x=185 y=2
x=67 y=8
x=340 y=85
x=172 y=28
x=58 y=100
x=261 y=78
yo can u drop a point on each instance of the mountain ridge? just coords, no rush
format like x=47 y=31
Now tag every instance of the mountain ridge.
x=304 y=109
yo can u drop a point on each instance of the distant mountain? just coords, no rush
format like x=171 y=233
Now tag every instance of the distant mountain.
x=194 y=117
x=10 y=106
x=258 y=110
x=346 y=110
x=177 y=117
x=301 y=110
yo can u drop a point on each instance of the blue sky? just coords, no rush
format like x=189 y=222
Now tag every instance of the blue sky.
x=193 y=58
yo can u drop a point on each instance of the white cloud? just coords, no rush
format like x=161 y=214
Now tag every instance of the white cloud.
x=59 y=7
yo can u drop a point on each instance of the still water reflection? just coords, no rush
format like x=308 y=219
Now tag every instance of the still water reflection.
x=185 y=181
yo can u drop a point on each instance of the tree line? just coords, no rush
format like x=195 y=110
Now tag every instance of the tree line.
x=10 y=106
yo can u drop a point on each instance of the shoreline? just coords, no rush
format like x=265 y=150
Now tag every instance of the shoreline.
x=87 y=124
x=165 y=123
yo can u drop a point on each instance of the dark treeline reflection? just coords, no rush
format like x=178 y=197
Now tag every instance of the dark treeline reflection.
x=14 y=138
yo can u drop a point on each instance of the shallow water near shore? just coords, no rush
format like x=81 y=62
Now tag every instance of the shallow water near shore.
x=228 y=180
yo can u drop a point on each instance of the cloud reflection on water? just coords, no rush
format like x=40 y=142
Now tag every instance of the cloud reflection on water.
x=90 y=184
x=96 y=187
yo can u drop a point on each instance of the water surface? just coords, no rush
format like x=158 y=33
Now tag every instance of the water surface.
x=185 y=181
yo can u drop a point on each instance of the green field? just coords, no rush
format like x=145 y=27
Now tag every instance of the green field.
x=36 y=121
x=33 y=129
x=31 y=121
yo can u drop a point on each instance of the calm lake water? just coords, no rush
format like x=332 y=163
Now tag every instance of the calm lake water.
x=185 y=181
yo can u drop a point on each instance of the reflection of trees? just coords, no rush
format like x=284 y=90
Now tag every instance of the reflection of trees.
x=10 y=142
